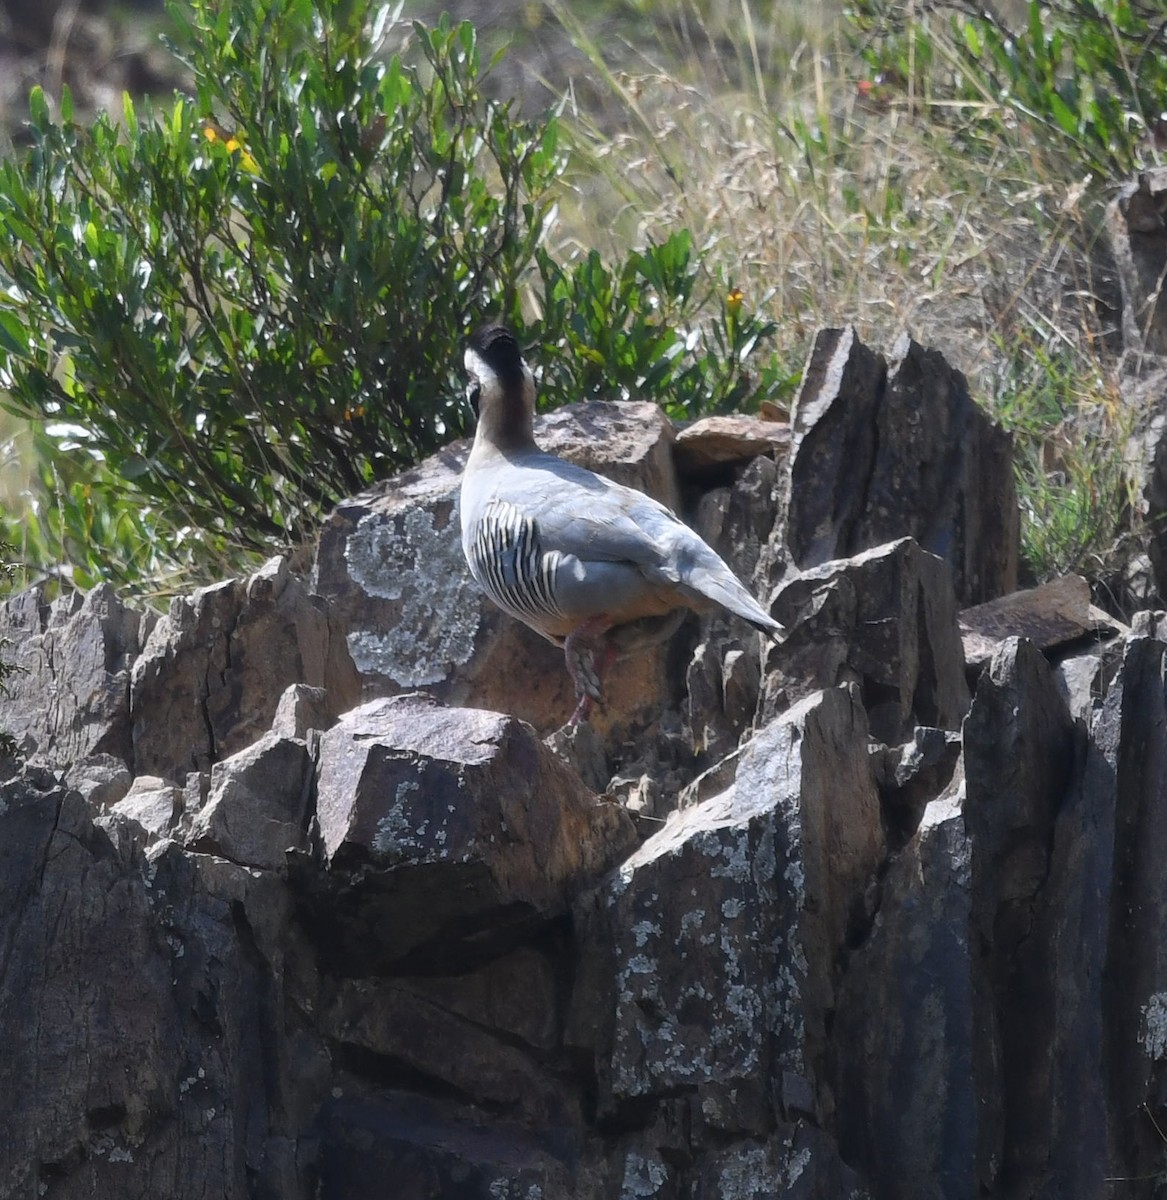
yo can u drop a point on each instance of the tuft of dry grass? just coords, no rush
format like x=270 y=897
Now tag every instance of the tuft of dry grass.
x=830 y=198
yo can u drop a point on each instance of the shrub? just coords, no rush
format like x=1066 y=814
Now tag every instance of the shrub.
x=249 y=316
x=1084 y=78
x=229 y=312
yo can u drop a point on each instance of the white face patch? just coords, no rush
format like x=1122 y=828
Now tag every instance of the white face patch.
x=477 y=368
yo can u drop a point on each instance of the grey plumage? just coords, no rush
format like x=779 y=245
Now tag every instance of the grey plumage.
x=570 y=553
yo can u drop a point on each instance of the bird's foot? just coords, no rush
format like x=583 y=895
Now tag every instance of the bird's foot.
x=588 y=655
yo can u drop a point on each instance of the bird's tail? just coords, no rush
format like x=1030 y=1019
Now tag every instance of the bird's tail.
x=711 y=579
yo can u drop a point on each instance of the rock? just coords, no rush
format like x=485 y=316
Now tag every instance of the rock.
x=799 y=1163
x=1050 y=616
x=1019 y=757
x=302 y=709
x=903 y=1034
x=708 y=956
x=154 y=803
x=102 y=779
x=212 y=673
x=1110 y=1046
x=711 y=445
x=391 y=564
x=384 y=1021
x=258 y=804
x=884 y=620
x=428 y=1148
x=882 y=451
x=912 y=775
x=724 y=672
x=448 y=833
x=1136 y=226
x=165 y=1058
x=69 y=698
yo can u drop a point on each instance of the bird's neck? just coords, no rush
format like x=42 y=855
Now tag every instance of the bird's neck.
x=507 y=424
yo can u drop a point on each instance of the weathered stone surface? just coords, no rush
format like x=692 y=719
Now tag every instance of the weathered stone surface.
x=903 y=1036
x=302 y=709
x=884 y=620
x=70 y=696
x=912 y=775
x=428 y=1148
x=1114 y=921
x=142 y=1062
x=724 y=672
x=1050 y=616
x=1018 y=760
x=391 y=563
x=885 y=450
x=103 y=779
x=452 y=829
x=1136 y=225
x=154 y=803
x=799 y=1163
x=258 y=804
x=213 y=670
x=709 y=446
x=709 y=966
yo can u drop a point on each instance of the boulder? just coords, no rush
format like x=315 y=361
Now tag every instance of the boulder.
x=708 y=958
x=903 y=1035
x=711 y=447
x=448 y=833
x=153 y=803
x=391 y=564
x=156 y=1053
x=69 y=698
x=884 y=620
x=257 y=808
x=213 y=670
x=883 y=450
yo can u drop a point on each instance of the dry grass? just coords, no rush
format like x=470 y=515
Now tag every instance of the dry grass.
x=827 y=205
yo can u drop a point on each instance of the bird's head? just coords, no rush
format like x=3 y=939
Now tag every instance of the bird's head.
x=500 y=387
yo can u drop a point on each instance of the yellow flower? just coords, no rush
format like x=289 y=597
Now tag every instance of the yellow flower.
x=733 y=301
x=216 y=133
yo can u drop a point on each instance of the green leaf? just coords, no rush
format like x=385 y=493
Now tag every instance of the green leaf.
x=1062 y=114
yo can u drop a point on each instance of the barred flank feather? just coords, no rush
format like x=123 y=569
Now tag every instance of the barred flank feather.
x=508 y=561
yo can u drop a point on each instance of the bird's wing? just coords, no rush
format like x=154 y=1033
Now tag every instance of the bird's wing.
x=595 y=520
x=583 y=514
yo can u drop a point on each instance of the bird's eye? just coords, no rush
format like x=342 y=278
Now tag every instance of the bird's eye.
x=473 y=391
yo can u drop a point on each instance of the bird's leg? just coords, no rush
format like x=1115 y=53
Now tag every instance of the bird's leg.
x=585 y=667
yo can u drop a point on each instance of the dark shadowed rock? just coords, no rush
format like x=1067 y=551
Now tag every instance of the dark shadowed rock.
x=391 y=563
x=709 y=954
x=212 y=673
x=145 y=1062
x=1118 y=916
x=70 y=696
x=903 y=1037
x=799 y=1162
x=430 y=1148
x=884 y=620
x=885 y=450
x=1019 y=757
x=452 y=829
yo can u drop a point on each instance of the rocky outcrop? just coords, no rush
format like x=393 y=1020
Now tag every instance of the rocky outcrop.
x=884 y=449
x=848 y=918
